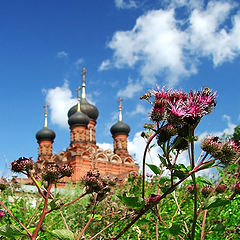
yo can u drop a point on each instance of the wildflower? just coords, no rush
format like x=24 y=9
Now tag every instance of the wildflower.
x=229 y=152
x=166 y=132
x=206 y=190
x=221 y=188
x=3 y=184
x=190 y=189
x=22 y=165
x=149 y=175
x=2 y=214
x=54 y=172
x=212 y=146
x=237 y=188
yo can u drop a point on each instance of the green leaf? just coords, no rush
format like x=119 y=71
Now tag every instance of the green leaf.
x=164 y=179
x=204 y=180
x=232 y=167
x=10 y=231
x=163 y=160
x=63 y=234
x=175 y=229
x=208 y=165
x=132 y=202
x=154 y=168
x=215 y=201
x=219 y=227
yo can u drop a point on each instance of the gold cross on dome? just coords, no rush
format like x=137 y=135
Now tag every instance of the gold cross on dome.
x=84 y=71
x=46 y=114
x=78 y=91
x=120 y=109
x=120 y=103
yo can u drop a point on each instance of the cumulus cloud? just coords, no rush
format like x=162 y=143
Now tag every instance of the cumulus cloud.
x=140 y=109
x=104 y=65
x=125 y=4
x=227 y=131
x=62 y=54
x=131 y=89
x=162 y=44
x=105 y=146
x=60 y=100
x=79 y=63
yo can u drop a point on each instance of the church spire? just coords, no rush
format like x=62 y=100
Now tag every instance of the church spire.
x=46 y=115
x=84 y=71
x=79 y=99
x=120 y=109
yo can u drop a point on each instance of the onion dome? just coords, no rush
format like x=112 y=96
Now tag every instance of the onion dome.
x=78 y=118
x=120 y=127
x=45 y=133
x=90 y=110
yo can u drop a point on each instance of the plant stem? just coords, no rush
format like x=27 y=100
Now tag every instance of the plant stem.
x=109 y=225
x=81 y=195
x=149 y=206
x=203 y=224
x=192 y=161
x=36 y=184
x=64 y=220
x=44 y=212
x=144 y=161
x=16 y=219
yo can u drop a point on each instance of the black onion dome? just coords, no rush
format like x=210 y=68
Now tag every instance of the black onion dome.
x=78 y=119
x=45 y=134
x=90 y=110
x=120 y=128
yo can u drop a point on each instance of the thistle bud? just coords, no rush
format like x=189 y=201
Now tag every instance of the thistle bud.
x=221 y=188
x=237 y=188
x=206 y=190
x=2 y=214
x=22 y=165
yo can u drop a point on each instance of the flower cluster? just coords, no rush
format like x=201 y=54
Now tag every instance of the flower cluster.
x=206 y=190
x=94 y=182
x=224 y=151
x=2 y=214
x=22 y=165
x=54 y=172
x=3 y=184
x=180 y=107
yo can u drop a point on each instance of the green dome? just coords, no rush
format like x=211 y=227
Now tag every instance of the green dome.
x=45 y=134
x=120 y=128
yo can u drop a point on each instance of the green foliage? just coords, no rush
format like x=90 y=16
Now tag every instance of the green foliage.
x=63 y=234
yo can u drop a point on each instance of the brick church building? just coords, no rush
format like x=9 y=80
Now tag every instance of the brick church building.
x=83 y=153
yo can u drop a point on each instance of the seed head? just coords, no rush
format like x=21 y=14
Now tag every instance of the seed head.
x=22 y=165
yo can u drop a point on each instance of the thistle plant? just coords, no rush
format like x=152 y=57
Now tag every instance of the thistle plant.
x=175 y=115
x=95 y=185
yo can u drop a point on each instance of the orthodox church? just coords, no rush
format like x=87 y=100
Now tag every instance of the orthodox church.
x=83 y=154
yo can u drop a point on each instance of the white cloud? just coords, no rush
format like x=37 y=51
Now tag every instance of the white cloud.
x=227 y=131
x=105 y=146
x=79 y=63
x=104 y=65
x=60 y=100
x=209 y=36
x=140 y=109
x=62 y=54
x=165 y=45
x=125 y=4
x=131 y=89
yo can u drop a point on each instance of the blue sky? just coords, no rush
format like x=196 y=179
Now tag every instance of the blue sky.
x=128 y=47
